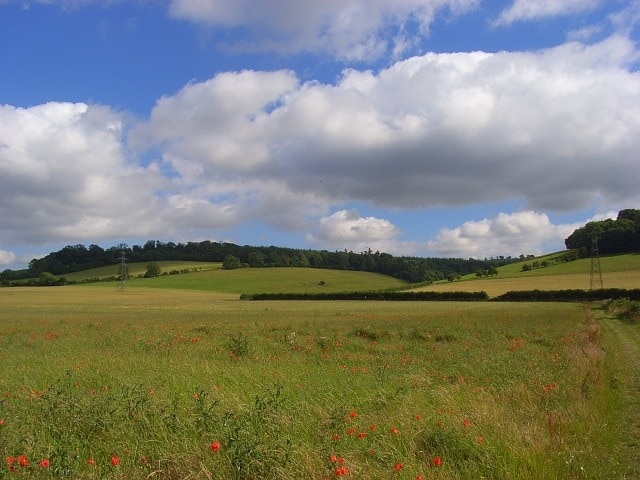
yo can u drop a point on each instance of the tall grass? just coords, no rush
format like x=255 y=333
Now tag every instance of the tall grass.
x=159 y=384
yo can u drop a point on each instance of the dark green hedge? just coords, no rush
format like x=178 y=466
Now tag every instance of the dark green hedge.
x=395 y=296
x=574 y=295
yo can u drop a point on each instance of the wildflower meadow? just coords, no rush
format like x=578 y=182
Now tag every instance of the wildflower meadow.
x=152 y=383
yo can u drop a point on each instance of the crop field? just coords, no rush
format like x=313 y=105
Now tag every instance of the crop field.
x=177 y=384
x=622 y=271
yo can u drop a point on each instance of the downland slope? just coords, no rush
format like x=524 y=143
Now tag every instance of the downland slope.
x=619 y=271
x=212 y=277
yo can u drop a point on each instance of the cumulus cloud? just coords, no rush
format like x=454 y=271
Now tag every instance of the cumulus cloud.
x=6 y=257
x=556 y=128
x=348 y=29
x=521 y=10
x=64 y=174
x=513 y=234
x=347 y=229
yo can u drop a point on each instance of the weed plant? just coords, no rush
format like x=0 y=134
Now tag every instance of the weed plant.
x=153 y=384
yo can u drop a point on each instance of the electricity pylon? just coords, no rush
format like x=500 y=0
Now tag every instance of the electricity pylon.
x=122 y=271
x=595 y=276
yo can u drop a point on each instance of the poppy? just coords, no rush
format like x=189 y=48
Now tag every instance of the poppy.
x=44 y=463
x=215 y=446
x=115 y=460
x=398 y=466
x=23 y=461
x=342 y=471
x=437 y=461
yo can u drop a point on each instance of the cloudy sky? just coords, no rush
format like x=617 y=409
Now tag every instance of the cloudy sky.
x=467 y=128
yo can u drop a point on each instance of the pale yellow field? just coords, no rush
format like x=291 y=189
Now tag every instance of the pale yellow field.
x=498 y=286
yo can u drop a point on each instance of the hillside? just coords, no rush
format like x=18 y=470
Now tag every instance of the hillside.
x=212 y=277
x=618 y=271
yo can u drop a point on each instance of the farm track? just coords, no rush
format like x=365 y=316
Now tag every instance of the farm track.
x=625 y=347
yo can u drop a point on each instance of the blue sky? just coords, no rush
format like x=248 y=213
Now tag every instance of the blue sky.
x=467 y=128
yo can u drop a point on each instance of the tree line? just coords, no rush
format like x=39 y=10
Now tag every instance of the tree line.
x=74 y=258
x=621 y=235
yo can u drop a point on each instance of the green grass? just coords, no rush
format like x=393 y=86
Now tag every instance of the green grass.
x=136 y=269
x=620 y=271
x=613 y=263
x=156 y=376
x=271 y=280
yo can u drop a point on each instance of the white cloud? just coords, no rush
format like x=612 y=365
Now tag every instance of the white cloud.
x=64 y=175
x=513 y=234
x=7 y=257
x=347 y=229
x=556 y=128
x=347 y=29
x=532 y=10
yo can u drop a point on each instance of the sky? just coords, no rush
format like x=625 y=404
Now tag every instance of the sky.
x=455 y=128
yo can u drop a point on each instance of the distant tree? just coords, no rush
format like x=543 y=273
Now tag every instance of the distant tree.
x=231 y=262
x=255 y=259
x=153 y=270
x=300 y=260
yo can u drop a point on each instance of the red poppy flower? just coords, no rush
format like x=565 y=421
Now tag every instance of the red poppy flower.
x=91 y=461
x=398 y=466
x=362 y=435
x=466 y=422
x=115 y=460
x=353 y=414
x=23 y=461
x=215 y=446
x=480 y=439
x=394 y=430
x=333 y=458
x=44 y=463
x=342 y=471
x=437 y=461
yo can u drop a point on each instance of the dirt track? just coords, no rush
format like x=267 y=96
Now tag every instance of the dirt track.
x=623 y=349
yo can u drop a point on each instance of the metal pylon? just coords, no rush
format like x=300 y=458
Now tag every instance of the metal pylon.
x=122 y=271
x=595 y=276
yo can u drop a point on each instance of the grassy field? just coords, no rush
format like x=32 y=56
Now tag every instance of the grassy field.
x=272 y=280
x=166 y=383
x=136 y=269
x=622 y=271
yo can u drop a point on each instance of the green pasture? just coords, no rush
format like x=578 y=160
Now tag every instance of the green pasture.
x=267 y=280
x=136 y=269
x=609 y=264
x=152 y=378
x=622 y=271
